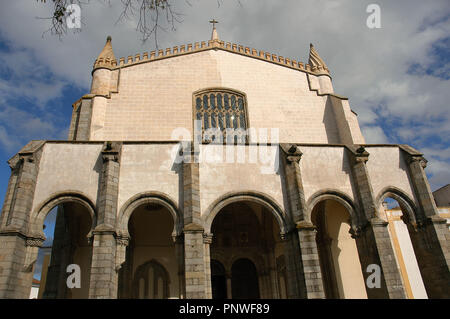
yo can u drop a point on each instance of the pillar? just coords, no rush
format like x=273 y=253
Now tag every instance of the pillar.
x=18 y=248
x=179 y=253
x=194 y=247
x=207 y=241
x=302 y=263
x=429 y=234
x=372 y=237
x=109 y=249
x=229 y=291
x=55 y=286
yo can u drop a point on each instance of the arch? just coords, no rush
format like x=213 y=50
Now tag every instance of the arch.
x=251 y=196
x=159 y=272
x=40 y=213
x=244 y=279
x=146 y=198
x=257 y=260
x=218 y=280
x=406 y=203
x=336 y=195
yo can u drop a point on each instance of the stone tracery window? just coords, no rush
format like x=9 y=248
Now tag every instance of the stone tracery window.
x=224 y=111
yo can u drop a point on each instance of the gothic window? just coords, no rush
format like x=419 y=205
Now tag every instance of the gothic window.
x=224 y=111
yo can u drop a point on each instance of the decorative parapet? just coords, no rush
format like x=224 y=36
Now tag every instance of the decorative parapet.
x=315 y=69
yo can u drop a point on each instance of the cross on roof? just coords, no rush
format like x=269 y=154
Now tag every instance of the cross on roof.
x=213 y=21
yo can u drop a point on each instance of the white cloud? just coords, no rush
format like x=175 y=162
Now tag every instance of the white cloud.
x=374 y=135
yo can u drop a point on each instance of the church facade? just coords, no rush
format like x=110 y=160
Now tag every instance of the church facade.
x=214 y=170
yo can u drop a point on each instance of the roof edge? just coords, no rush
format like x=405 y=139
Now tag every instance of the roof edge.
x=219 y=45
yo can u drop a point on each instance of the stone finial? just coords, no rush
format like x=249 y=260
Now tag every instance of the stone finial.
x=106 y=58
x=316 y=62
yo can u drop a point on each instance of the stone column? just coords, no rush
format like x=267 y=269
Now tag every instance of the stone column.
x=194 y=263
x=18 y=249
x=104 y=277
x=108 y=248
x=312 y=274
x=372 y=236
x=302 y=260
x=207 y=240
x=429 y=234
x=179 y=254
x=56 y=286
x=229 y=291
x=194 y=248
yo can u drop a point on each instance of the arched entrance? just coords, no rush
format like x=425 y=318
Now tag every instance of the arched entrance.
x=68 y=222
x=338 y=254
x=218 y=280
x=244 y=279
x=396 y=209
x=246 y=242
x=151 y=268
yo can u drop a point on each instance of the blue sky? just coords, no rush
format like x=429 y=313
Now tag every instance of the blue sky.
x=397 y=77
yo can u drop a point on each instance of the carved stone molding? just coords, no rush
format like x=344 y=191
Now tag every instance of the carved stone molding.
x=122 y=241
x=208 y=238
x=293 y=153
x=34 y=242
x=111 y=151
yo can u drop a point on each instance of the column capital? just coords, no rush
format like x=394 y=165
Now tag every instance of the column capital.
x=111 y=151
x=305 y=225
x=292 y=153
x=418 y=159
x=193 y=227
x=208 y=238
x=34 y=242
x=358 y=153
x=122 y=240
